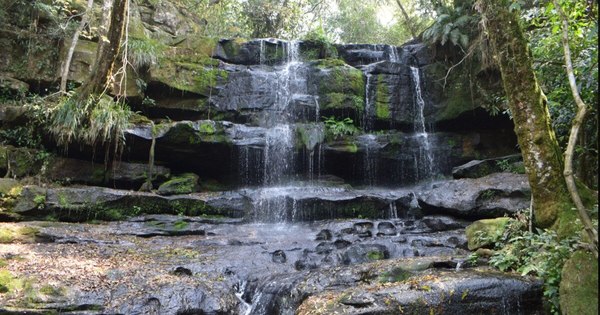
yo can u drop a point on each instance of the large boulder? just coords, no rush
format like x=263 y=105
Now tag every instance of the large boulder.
x=397 y=158
x=491 y=196
x=121 y=174
x=179 y=185
x=89 y=203
x=384 y=287
x=18 y=162
x=579 y=284
x=480 y=168
x=486 y=232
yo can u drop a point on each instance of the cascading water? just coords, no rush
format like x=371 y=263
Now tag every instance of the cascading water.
x=278 y=157
x=424 y=161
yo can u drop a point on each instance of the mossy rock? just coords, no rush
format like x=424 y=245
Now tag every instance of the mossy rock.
x=485 y=232
x=20 y=162
x=195 y=76
x=328 y=63
x=342 y=79
x=17 y=234
x=579 y=285
x=457 y=93
x=343 y=101
x=6 y=185
x=183 y=184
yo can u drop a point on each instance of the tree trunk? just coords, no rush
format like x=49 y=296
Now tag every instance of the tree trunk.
x=107 y=53
x=541 y=153
x=67 y=64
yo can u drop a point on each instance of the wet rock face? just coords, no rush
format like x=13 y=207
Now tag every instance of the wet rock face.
x=487 y=197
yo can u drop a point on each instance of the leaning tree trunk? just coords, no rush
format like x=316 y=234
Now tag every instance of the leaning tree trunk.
x=106 y=54
x=67 y=64
x=541 y=153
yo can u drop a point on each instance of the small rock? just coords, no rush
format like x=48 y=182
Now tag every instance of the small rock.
x=341 y=243
x=361 y=299
x=362 y=227
x=278 y=257
x=325 y=248
x=386 y=228
x=182 y=271
x=184 y=184
x=324 y=235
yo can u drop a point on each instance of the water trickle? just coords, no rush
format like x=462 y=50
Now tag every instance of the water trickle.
x=370 y=158
x=425 y=160
x=394 y=57
x=262 y=52
x=367 y=122
x=317 y=109
x=393 y=211
x=239 y=292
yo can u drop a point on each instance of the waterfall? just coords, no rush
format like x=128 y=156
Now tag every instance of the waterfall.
x=279 y=138
x=425 y=161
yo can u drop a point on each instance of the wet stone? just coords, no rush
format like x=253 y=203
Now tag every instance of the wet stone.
x=386 y=229
x=457 y=242
x=361 y=299
x=324 y=235
x=325 y=248
x=341 y=243
x=278 y=257
x=362 y=253
x=347 y=231
x=401 y=239
x=182 y=271
x=363 y=227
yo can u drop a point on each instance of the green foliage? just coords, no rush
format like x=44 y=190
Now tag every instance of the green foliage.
x=142 y=53
x=540 y=253
x=455 y=25
x=96 y=120
x=337 y=129
x=507 y=166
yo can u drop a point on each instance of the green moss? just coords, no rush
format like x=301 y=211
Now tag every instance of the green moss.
x=352 y=148
x=188 y=76
x=485 y=232
x=180 y=225
x=345 y=80
x=382 y=99
x=375 y=255
x=183 y=184
x=13 y=285
x=382 y=111
x=52 y=290
x=207 y=127
x=329 y=63
x=568 y=223
x=138 y=119
x=579 y=284
x=211 y=185
x=233 y=47
x=18 y=234
x=343 y=101
x=395 y=275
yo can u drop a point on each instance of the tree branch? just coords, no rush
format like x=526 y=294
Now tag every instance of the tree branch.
x=576 y=125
